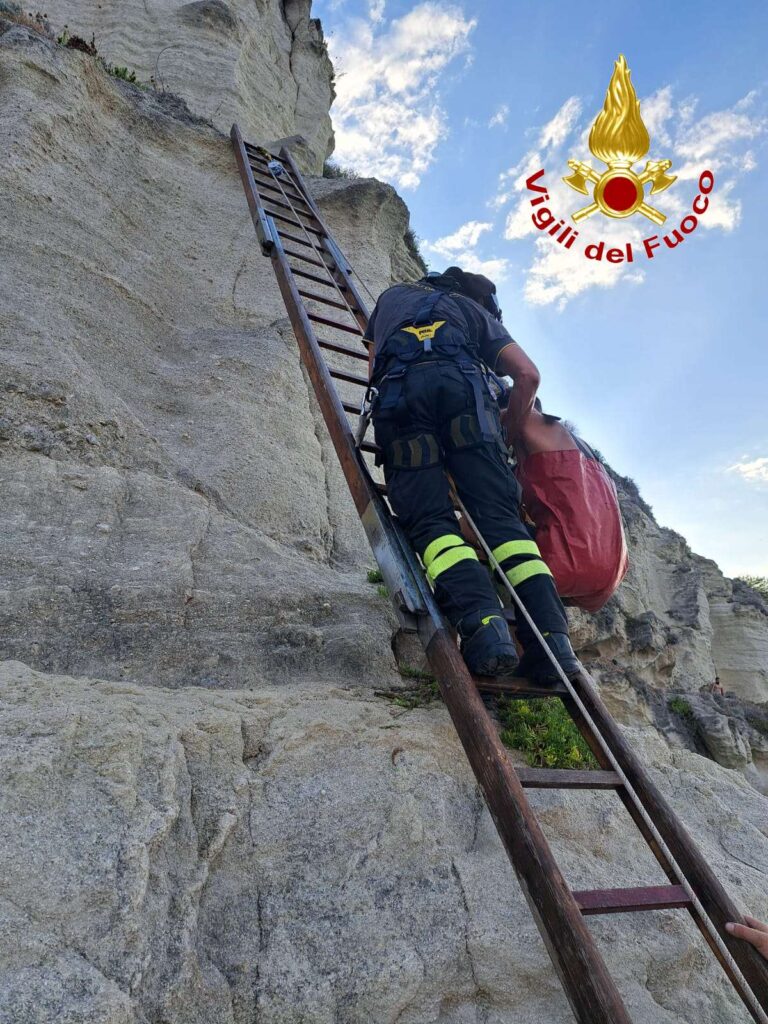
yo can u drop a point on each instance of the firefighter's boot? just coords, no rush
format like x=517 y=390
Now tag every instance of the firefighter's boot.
x=486 y=646
x=538 y=668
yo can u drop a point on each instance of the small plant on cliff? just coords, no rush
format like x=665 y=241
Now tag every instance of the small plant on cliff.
x=412 y=242
x=333 y=170
x=424 y=692
x=545 y=732
x=681 y=707
x=37 y=22
x=758 y=583
x=374 y=576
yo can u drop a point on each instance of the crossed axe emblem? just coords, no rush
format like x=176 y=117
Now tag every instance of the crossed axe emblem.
x=655 y=172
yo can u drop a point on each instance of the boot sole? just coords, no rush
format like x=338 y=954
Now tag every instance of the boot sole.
x=503 y=666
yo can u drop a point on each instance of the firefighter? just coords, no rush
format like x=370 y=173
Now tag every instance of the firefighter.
x=435 y=345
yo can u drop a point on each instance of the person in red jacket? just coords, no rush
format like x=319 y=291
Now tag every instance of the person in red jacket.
x=574 y=506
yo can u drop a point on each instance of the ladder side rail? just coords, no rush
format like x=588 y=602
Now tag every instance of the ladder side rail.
x=714 y=899
x=258 y=215
x=362 y=319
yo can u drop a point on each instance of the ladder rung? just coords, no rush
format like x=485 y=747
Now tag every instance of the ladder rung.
x=306 y=259
x=372 y=448
x=623 y=901
x=328 y=302
x=513 y=686
x=351 y=407
x=288 y=206
x=381 y=488
x=271 y=187
x=329 y=282
x=270 y=179
x=334 y=346
x=352 y=378
x=357 y=329
x=297 y=239
x=296 y=223
x=564 y=778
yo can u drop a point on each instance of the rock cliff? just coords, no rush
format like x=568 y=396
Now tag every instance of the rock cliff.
x=208 y=815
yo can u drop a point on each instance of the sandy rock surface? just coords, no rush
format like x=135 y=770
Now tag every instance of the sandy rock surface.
x=260 y=63
x=313 y=855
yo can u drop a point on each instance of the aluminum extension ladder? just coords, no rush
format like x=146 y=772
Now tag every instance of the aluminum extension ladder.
x=319 y=292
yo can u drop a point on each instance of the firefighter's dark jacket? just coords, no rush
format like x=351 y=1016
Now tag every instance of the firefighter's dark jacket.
x=466 y=319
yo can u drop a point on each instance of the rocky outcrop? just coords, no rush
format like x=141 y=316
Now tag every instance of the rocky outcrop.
x=261 y=63
x=199 y=856
x=208 y=816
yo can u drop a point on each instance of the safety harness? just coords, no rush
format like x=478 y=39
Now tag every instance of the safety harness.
x=423 y=338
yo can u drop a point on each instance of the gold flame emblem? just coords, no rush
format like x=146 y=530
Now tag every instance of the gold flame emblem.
x=619 y=138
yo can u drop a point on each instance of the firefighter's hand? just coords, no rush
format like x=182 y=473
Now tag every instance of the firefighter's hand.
x=756 y=933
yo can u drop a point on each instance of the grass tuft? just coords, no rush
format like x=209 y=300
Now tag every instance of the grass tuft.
x=544 y=731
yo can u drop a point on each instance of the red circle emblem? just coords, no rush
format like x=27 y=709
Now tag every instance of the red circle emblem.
x=620 y=193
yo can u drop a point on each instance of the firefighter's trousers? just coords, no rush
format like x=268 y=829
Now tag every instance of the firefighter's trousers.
x=427 y=423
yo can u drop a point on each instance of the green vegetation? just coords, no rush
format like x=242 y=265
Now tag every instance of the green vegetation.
x=333 y=170
x=374 y=576
x=412 y=243
x=545 y=732
x=382 y=591
x=681 y=707
x=758 y=583
x=37 y=22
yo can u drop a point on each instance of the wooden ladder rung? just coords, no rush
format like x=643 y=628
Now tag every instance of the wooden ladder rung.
x=351 y=408
x=512 y=686
x=372 y=448
x=328 y=302
x=288 y=206
x=296 y=223
x=334 y=346
x=297 y=239
x=564 y=778
x=352 y=378
x=624 y=901
x=301 y=256
x=357 y=329
x=269 y=186
x=328 y=281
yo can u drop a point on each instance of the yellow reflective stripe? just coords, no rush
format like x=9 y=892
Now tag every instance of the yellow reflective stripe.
x=515 y=547
x=488 y=618
x=524 y=571
x=448 y=540
x=445 y=561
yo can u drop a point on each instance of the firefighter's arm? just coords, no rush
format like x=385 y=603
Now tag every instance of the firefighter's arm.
x=513 y=362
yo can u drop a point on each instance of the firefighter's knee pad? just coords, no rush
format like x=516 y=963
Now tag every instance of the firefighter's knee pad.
x=420 y=451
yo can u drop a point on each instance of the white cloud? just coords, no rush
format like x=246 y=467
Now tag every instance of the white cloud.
x=460 y=248
x=499 y=119
x=719 y=141
x=466 y=236
x=387 y=116
x=754 y=471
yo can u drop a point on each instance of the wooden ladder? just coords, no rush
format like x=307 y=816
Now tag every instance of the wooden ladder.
x=320 y=295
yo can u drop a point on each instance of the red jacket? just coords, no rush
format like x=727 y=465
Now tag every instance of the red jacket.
x=573 y=502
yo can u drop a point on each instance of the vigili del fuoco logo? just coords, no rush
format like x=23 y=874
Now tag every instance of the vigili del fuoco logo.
x=618 y=139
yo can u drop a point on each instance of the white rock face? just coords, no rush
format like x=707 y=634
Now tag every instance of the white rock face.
x=258 y=62
x=316 y=855
x=207 y=814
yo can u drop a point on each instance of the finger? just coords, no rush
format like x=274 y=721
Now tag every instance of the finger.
x=756 y=924
x=742 y=932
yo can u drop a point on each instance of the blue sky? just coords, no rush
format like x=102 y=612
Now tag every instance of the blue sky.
x=662 y=364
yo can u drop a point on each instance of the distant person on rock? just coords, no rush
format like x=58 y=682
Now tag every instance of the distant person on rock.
x=434 y=343
x=572 y=501
x=716 y=687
